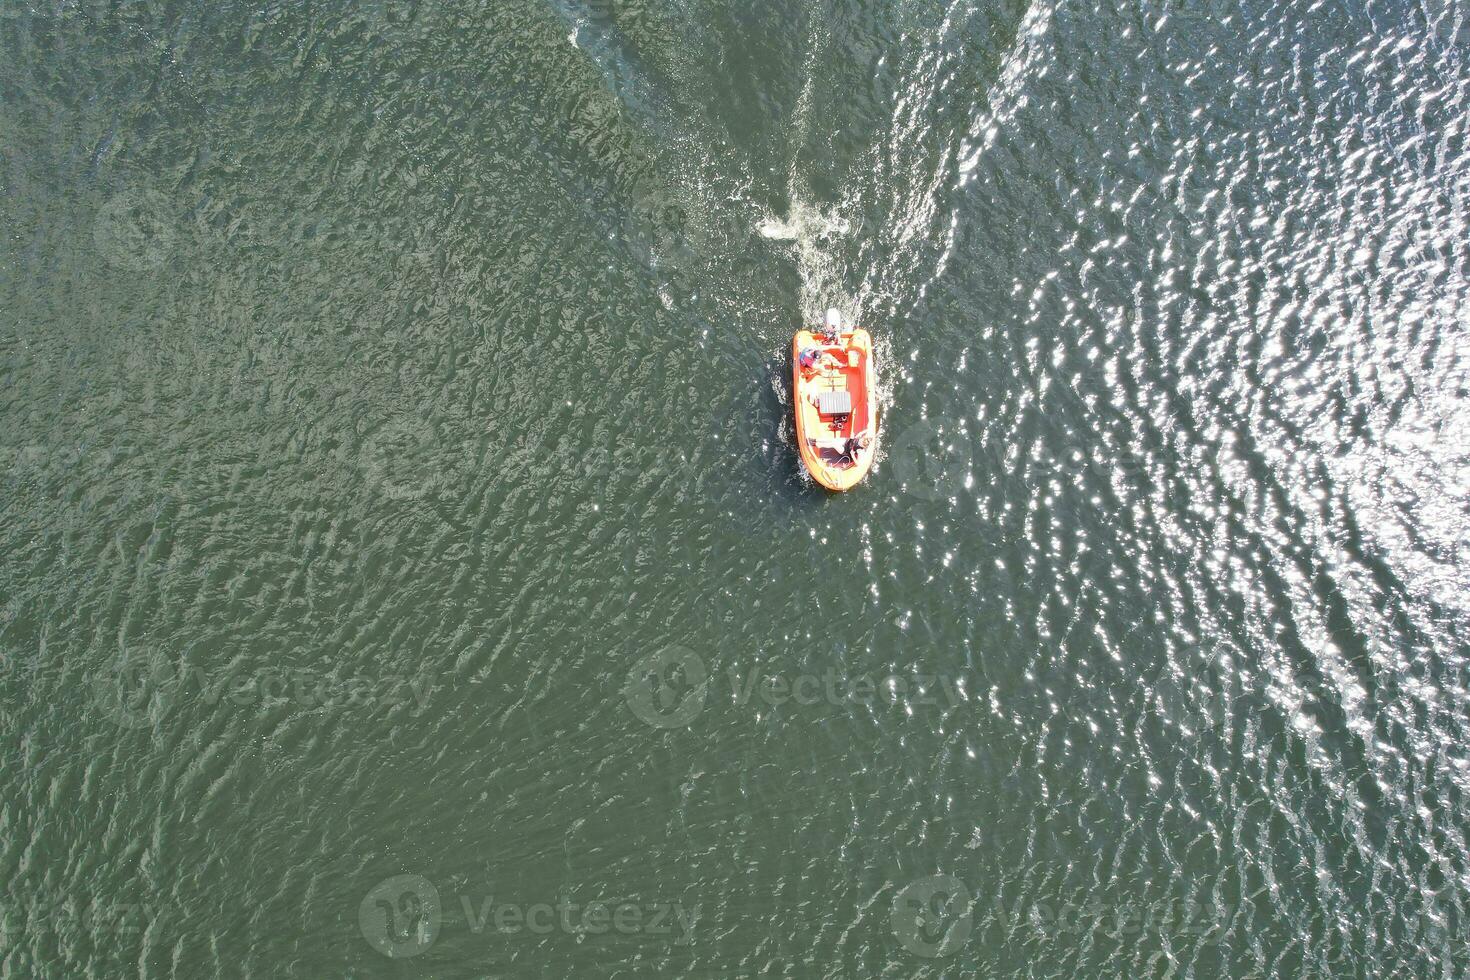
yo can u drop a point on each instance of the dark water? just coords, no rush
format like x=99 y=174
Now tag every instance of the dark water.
x=406 y=558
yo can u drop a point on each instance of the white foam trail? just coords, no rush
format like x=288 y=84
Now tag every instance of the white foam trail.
x=918 y=217
x=813 y=232
x=814 y=235
x=1007 y=96
x=912 y=187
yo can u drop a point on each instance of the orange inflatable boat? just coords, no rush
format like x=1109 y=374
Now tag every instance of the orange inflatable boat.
x=835 y=396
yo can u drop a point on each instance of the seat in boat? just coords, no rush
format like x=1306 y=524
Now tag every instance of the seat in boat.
x=834 y=402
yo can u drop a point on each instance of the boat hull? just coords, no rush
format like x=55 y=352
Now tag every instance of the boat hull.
x=835 y=401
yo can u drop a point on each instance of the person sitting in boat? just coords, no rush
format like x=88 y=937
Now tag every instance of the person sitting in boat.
x=856 y=445
x=810 y=356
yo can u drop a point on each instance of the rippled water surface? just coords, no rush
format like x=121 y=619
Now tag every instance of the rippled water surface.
x=408 y=572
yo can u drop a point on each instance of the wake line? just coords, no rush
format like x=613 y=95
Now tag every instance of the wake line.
x=923 y=220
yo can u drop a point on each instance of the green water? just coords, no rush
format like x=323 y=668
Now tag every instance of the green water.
x=408 y=570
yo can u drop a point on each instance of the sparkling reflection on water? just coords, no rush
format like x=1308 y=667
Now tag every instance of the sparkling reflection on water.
x=402 y=522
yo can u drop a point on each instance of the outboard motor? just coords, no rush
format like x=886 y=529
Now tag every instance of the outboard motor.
x=833 y=329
